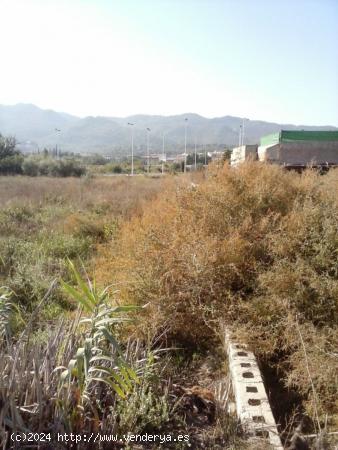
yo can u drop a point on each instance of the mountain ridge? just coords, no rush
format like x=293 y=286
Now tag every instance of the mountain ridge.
x=112 y=135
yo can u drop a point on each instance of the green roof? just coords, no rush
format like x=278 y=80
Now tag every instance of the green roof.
x=270 y=139
x=299 y=135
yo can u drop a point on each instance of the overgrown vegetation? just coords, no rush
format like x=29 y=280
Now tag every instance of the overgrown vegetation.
x=256 y=248
x=45 y=221
x=45 y=388
x=253 y=247
x=57 y=373
x=81 y=376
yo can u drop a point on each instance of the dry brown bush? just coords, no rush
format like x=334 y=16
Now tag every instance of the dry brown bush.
x=254 y=246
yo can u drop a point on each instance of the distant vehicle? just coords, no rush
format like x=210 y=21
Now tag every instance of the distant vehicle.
x=293 y=149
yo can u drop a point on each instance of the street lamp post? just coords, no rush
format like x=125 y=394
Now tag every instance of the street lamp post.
x=148 y=156
x=57 y=131
x=241 y=133
x=195 y=156
x=163 y=156
x=132 y=147
x=243 y=123
x=185 y=144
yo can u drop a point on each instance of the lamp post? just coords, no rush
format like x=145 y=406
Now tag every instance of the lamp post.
x=185 y=144
x=132 y=147
x=195 y=155
x=243 y=123
x=148 y=132
x=57 y=131
x=241 y=132
x=163 y=155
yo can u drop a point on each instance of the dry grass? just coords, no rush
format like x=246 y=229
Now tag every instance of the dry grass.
x=119 y=194
x=255 y=247
x=45 y=220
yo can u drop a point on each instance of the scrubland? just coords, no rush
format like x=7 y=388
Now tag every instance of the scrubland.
x=252 y=248
x=44 y=221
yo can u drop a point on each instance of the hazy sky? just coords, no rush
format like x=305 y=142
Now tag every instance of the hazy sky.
x=273 y=60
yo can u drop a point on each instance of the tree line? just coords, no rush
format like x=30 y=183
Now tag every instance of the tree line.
x=13 y=162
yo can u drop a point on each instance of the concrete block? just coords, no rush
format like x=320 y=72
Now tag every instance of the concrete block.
x=252 y=404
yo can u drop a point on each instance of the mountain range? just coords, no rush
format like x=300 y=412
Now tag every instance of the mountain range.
x=35 y=128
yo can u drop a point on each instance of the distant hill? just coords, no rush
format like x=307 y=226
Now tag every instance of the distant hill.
x=112 y=135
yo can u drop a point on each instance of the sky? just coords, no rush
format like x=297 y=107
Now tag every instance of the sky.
x=274 y=60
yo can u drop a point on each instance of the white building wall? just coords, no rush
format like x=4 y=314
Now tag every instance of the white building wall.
x=243 y=153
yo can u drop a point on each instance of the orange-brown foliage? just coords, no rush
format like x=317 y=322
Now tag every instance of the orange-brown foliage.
x=255 y=247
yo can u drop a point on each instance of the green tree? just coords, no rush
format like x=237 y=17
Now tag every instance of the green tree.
x=117 y=169
x=10 y=158
x=7 y=147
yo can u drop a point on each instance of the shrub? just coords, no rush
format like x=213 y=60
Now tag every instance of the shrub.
x=33 y=166
x=59 y=245
x=47 y=166
x=30 y=167
x=28 y=271
x=11 y=165
x=68 y=168
x=254 y=247
x=117 y=169
x=29 y=266
x=92 y=226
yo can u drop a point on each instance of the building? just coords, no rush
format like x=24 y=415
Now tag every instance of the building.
x=169 y=159
x=299 y=148
x=154 y=159
x=243 y=153
x=216 y=156
x=180 y=158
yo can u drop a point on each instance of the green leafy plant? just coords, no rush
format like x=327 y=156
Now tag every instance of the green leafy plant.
x=148 y=406
x=101 y=358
